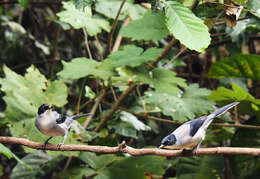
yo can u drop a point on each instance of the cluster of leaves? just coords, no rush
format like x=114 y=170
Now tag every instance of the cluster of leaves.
x=160 y=91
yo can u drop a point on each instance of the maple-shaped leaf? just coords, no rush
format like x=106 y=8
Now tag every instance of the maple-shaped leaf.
x=83 y=18
x=132 y=56
x=82 y=67
x=186 y=106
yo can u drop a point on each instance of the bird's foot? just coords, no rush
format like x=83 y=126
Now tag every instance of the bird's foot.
x=186 y=151
x=44 y=145
x=59 y=145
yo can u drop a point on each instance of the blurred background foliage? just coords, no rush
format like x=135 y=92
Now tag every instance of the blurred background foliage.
x=182 y=58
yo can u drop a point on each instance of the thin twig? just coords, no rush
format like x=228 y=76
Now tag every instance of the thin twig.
x=67 y=164
x=80 y=94
x=94 y=108
x=119 y=37
x=115 y=105
x=86 y=43
x=163 y=53
x=123 y=148
x=176 y=56
x=110 y=36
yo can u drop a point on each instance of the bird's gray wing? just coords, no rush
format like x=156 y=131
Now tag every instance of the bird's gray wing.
x=61 y=119
x=195 y=124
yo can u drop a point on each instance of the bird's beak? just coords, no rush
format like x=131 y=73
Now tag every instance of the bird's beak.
x=161 y=146
x=51 y=107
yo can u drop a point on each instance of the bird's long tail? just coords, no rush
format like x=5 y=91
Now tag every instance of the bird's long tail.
x=80 y=116
x=218 y=112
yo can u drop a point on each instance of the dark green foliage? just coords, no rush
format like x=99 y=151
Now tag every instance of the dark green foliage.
x=59 y=54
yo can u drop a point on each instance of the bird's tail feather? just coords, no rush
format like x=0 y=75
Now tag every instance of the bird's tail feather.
x=80 y=116
x=218 y=112
x=224 y=109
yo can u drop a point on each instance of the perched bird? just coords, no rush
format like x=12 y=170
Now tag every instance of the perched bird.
x=51 y=123
x=192 y=133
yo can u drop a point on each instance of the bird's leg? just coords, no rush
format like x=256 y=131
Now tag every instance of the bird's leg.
x=46 y=142
x=64 y=138
x=197 y=147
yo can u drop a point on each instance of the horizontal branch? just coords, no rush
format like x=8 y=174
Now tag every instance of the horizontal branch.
x=123 y=148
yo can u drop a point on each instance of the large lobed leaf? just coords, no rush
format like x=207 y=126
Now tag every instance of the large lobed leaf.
x=25 y=94
x=182 y=107
x=9 y=154
x=81 y=67
x=161 y=79
x=244 y=65
x=186 y=27
x=110 y=8
x=132 y=56
x=150 y=27
x=111 y=166
x=200 y=168
x=36 y=160
x=79 y=19
x=254 y=7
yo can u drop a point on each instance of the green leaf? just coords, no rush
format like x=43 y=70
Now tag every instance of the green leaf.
x=98 y=162
x=247 y=101
x=82 y=67
x=77 y=172
x=165 y=81
x=34 y=90
x=24 y=3
x=89 y=93
x=1 y=171
x=123 y=128
x=82 y=19
x=183 y=107
x=132 y=56
x=5 y=151
x=134 y=167
x=200 y=168
x=186 y=27
x=81 y=4
x=36 y=160
x=161 y=79
x=246 y=66
x=131 y=119
x=9 y=154
x=150 y=27
x=110 y=8
x=254 y=7
x=112 y=166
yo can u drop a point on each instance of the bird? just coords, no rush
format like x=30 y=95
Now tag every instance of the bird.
x=191 y=134
x=51 y=123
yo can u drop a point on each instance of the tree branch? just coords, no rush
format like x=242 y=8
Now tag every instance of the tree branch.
x=123 y=148
x=115 y=105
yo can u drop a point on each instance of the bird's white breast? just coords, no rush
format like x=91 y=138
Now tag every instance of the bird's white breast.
x=48 y=126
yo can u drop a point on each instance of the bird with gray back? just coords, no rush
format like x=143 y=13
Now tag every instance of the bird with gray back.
x=192 y=133
x=51 y=123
